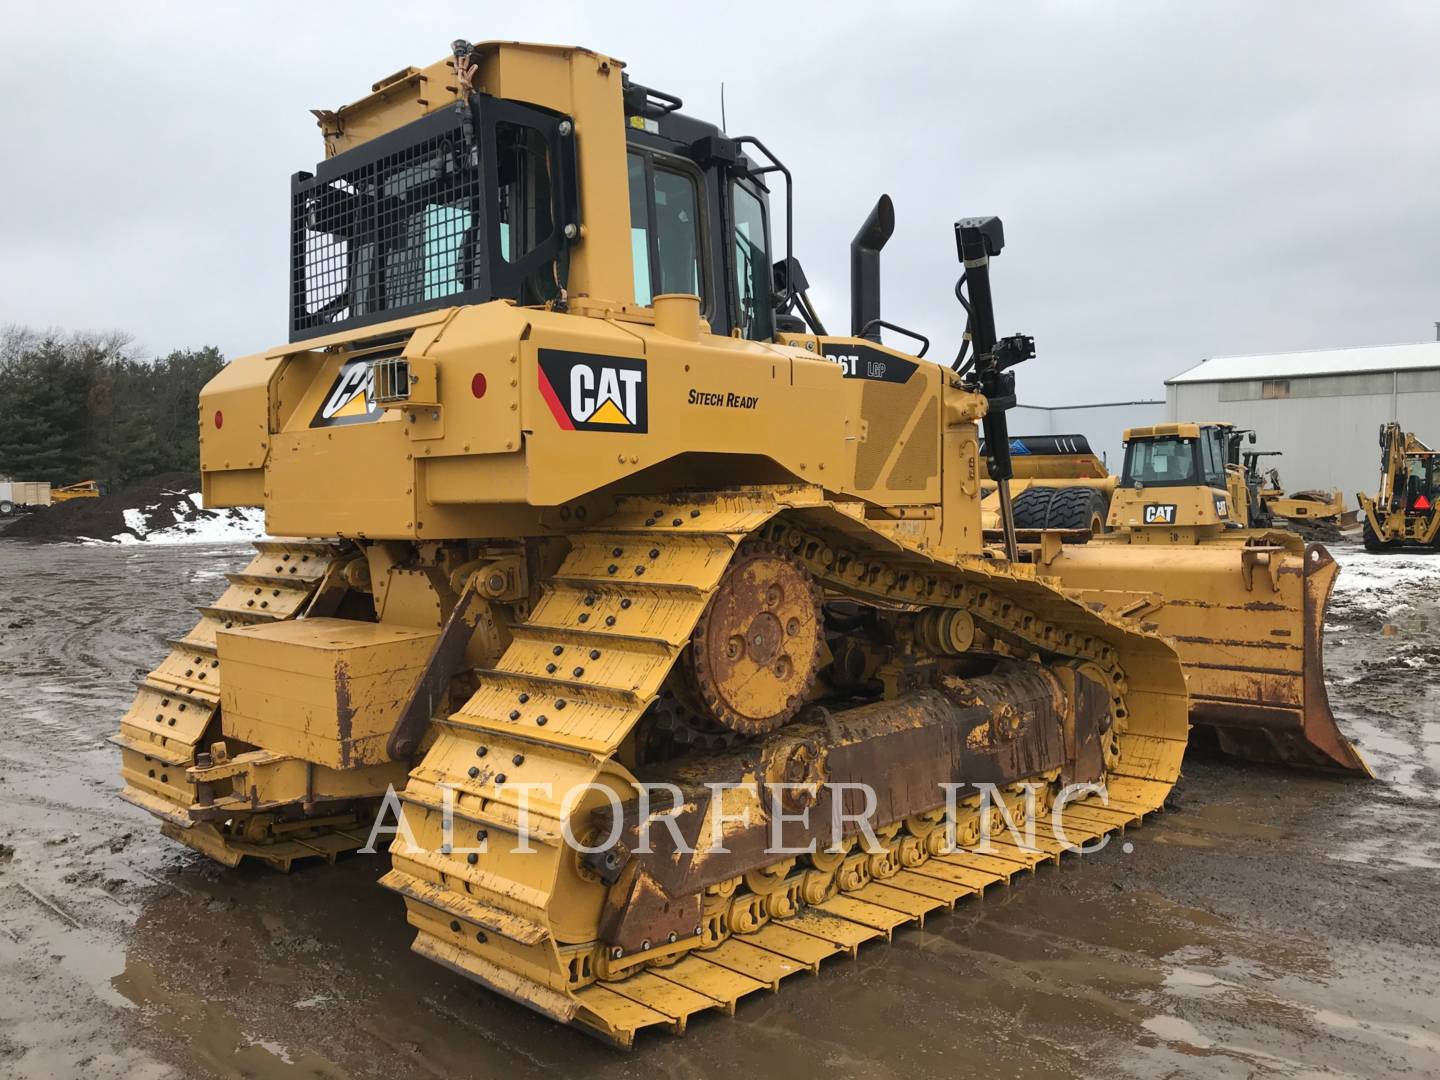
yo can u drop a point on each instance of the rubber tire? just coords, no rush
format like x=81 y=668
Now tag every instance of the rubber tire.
x=1372 y=542
x=1031 y=507
x=1060 y=508
x=7 y=507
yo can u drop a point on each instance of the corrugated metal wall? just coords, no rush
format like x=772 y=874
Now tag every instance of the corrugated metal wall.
x=1328 y=437
x=1104 y=425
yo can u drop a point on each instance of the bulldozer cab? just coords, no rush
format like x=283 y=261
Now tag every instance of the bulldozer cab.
x=1175 y=478
x=699 y=216
x=469 y=204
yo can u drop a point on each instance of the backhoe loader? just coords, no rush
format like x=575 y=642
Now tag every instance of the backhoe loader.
x=657 y=624
x=1405 y=512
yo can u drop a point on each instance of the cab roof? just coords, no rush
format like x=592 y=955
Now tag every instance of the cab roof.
x=1164 y=431
x=1190 y=429
x=412 y=93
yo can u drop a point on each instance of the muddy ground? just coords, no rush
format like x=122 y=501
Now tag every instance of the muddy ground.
x=1270 y=924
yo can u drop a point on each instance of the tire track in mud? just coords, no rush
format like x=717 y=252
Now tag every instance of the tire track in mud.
x=78 y=866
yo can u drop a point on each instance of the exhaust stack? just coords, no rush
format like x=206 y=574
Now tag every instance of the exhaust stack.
x=865 y=268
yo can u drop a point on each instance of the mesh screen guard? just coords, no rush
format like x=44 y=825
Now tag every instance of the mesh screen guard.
x=388 y=229
x=432 y=215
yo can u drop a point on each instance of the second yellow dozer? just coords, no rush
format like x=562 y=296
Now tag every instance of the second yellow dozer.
x=1245 y=606
x=658 y=624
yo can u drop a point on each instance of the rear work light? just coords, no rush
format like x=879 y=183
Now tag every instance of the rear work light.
x=402 y=380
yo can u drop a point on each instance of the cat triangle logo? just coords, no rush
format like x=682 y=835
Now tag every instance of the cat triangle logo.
x=609 y=413
x=359 y=405
x=586 y=392
x=351 y=397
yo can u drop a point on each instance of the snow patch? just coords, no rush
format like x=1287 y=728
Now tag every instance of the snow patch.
x=1378 y=581
x=182 y=518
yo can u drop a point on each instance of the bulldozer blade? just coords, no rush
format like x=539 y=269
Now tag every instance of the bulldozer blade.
x=1248 y=623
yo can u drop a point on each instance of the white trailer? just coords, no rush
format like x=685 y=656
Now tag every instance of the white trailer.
x=18 y=495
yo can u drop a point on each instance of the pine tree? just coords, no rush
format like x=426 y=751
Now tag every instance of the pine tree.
x=85 y=407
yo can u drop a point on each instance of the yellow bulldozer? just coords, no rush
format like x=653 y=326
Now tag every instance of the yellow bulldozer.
x=1405 y=512
x=1244 y=605
x=659 y=625
x=1243 y=601
x=1047 y=467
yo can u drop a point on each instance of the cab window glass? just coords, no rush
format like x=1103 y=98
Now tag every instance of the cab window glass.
x=664 y=230
x=640 y=229
x=752 y=267
x=1160 y=462
x=1215 y=476
x=1420 y=478
x=677 y=233
x=522 y=162
x=1211 y=470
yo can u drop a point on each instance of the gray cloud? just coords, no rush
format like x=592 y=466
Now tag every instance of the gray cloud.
x=1177 y=180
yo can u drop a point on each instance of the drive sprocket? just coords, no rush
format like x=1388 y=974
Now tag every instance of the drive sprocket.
x=756 y=650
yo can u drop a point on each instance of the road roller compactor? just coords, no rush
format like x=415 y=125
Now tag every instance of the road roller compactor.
x=659 y=626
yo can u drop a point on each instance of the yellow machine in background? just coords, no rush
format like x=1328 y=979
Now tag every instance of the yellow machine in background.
x=1245 y=606
x=1406 y=509
x=591 y=500
x=1059 y=483
x=85 y=489
x=1302 y=509
x=1316 y=515
x=1313 y=515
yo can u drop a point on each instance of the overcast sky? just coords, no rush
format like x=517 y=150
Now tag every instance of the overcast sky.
x=1177 y=180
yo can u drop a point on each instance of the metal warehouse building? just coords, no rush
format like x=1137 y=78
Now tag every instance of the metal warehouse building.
x=1322 y=410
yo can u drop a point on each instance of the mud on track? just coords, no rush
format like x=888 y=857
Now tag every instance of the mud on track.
x=1272 y=924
